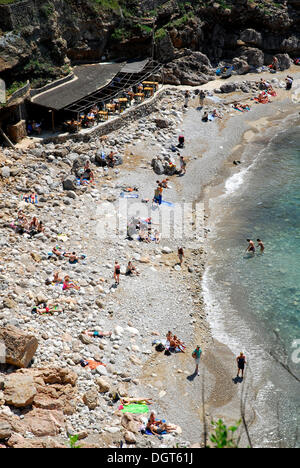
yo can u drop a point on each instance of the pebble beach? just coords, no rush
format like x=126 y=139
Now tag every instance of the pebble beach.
x=142 y=308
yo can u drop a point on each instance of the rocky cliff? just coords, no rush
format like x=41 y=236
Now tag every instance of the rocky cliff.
x=40 y=38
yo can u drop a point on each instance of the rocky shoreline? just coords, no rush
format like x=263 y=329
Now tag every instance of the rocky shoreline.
x=62 y=397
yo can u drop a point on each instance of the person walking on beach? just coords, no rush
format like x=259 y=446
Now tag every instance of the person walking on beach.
x=201 y=97
x=251 y=247
x=261 y=245
x=182 y=165
x=117 y=272
x=197 y=355
x=241 y=361
x=180 y=255
x=186 y=98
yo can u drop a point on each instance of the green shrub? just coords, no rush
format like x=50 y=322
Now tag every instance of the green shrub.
x=223 y=435
x=14 y=87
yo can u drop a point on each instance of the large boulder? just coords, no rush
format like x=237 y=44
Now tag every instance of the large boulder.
x=158 y=166
x=5 y=427
x=251 y=37
x=79 y=163
x=253 y=56
x=191 y=68
x=90 y=398
x=228 y=88
x=70 y=183
x=103 y=384
x=19 y=390
x=240 y=66
x=162 y=123
x=284 y=61
x=44 y=423
x=20 y=347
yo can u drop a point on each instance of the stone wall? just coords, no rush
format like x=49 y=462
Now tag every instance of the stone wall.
x=18 y=15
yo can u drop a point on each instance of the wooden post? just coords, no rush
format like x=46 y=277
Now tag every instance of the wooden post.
x=6 y=139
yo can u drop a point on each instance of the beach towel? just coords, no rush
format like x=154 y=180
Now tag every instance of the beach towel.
x=148 y=432
x=62 y=237
x=29 y=199
x=135 y=408
x=94 y=364
x=129 y=195
x=211 y=118
x=167 y=203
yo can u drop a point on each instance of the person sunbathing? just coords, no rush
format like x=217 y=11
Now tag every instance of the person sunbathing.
x=163 y=427
x=73 y=259
x=157 y=237
x=30 y=198
x=50 y=309
x=131 y=270
x=68 y=285
x=215 y=114
x=178 y=344
x=57 y=252
x=96 y=333
x=152 y=421
x=144 y=237
x=169 y=336
x=87 y=176
x=33 y=224
x=56 y=278
x=127 y=401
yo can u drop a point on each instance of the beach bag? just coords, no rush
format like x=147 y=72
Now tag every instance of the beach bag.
x=194 y=355
x=160 y=347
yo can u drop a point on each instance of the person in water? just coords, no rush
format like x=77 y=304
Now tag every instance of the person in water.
x=251 y=247
x=261 y=245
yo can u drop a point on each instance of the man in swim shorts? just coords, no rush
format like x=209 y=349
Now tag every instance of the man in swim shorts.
x=251 y=247
x=197 y=355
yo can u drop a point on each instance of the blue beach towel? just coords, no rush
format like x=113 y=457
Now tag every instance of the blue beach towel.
x=128 y=195
x=167 y=203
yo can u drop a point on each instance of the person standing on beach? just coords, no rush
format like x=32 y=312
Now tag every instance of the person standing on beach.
x=180 y=255
x=241 y=361
x=182 y=165
x=117 y=272
x=261 y=245
x=186 y=98
x=197 y=355
x=201 y=97
x=251 y=247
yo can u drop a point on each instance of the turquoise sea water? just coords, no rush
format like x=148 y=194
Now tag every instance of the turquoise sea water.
x=255 y=300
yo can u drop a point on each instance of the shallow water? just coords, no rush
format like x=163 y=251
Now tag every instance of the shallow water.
x=254 y=301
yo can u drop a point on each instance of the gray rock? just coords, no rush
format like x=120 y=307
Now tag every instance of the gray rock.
x=5 y=172
x=70 y=183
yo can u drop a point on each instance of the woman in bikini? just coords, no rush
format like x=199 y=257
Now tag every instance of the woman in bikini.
x=117 y=272
x=68 y=285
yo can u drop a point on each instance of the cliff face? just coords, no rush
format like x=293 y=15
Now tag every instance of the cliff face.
x=39 y=38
